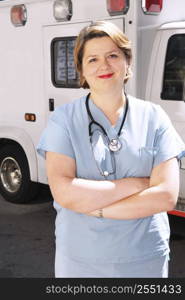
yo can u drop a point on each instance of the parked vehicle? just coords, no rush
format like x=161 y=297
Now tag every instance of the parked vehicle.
x=38 y=73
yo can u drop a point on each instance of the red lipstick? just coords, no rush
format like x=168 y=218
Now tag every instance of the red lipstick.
x=106 y=75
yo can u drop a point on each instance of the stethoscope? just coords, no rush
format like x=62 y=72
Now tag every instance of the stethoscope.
x=114 y=144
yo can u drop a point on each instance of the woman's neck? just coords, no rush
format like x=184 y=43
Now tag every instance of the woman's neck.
x=110 y=104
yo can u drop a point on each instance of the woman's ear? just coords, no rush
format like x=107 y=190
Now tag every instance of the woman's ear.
x=128 y=74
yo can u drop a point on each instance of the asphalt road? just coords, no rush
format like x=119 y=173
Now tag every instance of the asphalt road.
x=27 y=240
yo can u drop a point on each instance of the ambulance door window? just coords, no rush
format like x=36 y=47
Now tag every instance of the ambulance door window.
x=174 y=70
x=63 y=71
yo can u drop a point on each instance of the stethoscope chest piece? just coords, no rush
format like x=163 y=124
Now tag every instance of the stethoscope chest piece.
x=115 y=145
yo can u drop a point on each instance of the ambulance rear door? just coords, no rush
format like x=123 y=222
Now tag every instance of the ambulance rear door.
x=61 y=82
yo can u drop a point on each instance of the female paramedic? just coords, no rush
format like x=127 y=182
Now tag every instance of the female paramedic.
x=112 y=168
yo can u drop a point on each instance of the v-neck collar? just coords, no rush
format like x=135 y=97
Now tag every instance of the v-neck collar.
x=101 y=118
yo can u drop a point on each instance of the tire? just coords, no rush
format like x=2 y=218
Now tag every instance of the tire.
x=15 y=183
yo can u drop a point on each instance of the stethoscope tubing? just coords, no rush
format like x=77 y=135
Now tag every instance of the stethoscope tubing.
x=98 y=124
x=92 y=121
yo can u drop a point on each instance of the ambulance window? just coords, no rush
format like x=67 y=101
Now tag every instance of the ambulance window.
x=174 y=72
x=62 y=63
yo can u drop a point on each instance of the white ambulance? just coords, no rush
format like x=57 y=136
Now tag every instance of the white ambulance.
x=37 y=73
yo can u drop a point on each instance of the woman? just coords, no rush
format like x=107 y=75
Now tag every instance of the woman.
x=112 y=168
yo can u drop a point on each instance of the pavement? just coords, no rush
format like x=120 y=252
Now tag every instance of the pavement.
x=27 y=242
x=27 y=238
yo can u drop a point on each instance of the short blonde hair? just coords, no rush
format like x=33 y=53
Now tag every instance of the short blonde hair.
x=97 y=30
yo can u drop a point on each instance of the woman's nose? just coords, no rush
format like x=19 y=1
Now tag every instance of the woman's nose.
x=104 y=64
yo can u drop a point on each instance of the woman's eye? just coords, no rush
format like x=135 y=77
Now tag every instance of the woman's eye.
x=113 y=55
x=92 y=60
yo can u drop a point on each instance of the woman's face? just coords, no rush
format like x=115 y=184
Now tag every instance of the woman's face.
x=104 y=65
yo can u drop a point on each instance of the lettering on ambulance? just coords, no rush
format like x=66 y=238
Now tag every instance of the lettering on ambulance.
x=63 y=70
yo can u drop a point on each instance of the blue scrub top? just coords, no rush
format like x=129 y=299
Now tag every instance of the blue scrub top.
x=148 y=139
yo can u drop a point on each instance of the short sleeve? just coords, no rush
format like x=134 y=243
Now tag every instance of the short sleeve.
x=56 y=137
x=168 y=143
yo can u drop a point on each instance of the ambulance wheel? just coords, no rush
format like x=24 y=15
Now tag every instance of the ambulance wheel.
x=15 y=183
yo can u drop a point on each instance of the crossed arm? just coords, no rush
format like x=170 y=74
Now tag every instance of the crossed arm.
x=125 y=198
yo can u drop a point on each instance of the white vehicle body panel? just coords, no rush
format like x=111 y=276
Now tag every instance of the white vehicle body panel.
x=25 y=62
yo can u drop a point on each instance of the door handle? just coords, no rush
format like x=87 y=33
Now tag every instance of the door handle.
x=51 y=104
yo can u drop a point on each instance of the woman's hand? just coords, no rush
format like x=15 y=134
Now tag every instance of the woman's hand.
x=160 y=196
x=84 y=195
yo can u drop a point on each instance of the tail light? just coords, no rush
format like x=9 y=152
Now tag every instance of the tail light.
x=18 y=15
x=152 y=6
x=117 y=7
